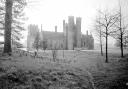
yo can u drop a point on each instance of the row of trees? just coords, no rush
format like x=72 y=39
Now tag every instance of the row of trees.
x=111 y=24
x=11 y=21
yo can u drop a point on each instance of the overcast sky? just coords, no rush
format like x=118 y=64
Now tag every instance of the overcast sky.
x=52 y=12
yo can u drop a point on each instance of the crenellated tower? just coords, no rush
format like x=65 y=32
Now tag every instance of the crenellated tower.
x=78 y=32
x=65 y=34
x=32 y=32
x=70 y=32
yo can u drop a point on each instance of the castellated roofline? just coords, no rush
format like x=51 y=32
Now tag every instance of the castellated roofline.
x=70 y=19
x=78 y=18
x=70 y=16
x=70 y=38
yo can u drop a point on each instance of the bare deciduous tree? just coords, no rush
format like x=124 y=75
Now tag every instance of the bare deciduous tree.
x=121 y=31
x=54 y=52
x=43 y=44
x=36 y=43
x=106 y=22
x=99 y=34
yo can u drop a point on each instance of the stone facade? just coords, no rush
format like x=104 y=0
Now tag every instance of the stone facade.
x=87 y=41
x=72 y=32
x=32 y=31
x=70 y=38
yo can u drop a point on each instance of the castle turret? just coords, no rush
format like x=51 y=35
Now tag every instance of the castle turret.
x=41 y=33
x=70 y=32
x=78 y=32
x=64 y=27
x=65 y=34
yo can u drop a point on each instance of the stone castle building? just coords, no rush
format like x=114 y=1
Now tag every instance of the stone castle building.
x=70 y=38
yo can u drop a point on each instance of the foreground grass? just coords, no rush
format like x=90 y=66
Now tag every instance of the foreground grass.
x=112 y=75
x=88 y=72
x=14 y=78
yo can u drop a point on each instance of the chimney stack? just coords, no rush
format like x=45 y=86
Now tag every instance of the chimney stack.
x=87 y=32
x=55 y=28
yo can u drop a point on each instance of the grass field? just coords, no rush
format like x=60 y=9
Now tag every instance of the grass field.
x=87 y=69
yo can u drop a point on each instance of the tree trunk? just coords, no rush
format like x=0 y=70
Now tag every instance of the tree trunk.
x=101 y=48
x=121 y=46
x=7 y=31
x=63 y=52
x=121 y=34
x=106 y=46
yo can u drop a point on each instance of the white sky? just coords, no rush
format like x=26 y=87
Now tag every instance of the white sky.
x=52 y=12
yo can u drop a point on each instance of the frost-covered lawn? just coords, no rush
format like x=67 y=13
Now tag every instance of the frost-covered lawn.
x=71 y=70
